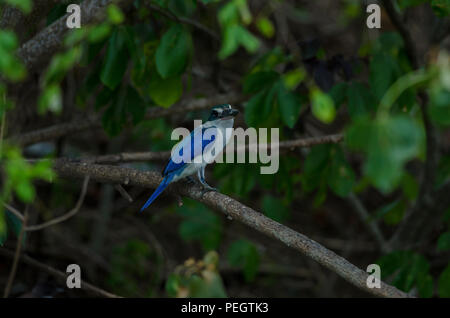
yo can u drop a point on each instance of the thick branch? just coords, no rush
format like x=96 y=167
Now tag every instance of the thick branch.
x=164 y=155
x=235 y=209
x=50 y=39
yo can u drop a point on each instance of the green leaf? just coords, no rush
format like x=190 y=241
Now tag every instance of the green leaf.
x=200 y=224
x=439 y=108
x=383 y=72
x=322 y=106
x=116 y=60
x=444 y=283
x=441 y=7
x=341 y=177
x=10 y=65
x=50 y=99
x=25 y=190
x=339 y=93
x=115 y=14
x=275 y=209
x=410 y=186
x=173 y=52
x=403 y=4
x=293 y=78
x=289 y=105
x=182 y=7
x=408 y=270
x=360 y=100
x=258 y=108
x=444 y=242
x=98 y=32
x=61 y=63
x=234 y=36
x=259 y=80
x=165 y=92
x=265 y=26
x=425 y=285
x=135 y=105
x=244 y=254
x=315 y=167
x=389 y=143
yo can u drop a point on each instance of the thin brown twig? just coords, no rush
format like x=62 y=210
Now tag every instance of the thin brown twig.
x=123 y=192
x=20 y=240
x=415 y=223
x=183 y=20
x=58 y=274
x=14 y=211
x=66 y=216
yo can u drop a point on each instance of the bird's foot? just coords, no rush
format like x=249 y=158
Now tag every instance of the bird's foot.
x=207 y=188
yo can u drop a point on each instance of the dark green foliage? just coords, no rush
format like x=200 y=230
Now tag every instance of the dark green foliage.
x=407 y=269
x=244 y=254
x=200 y=224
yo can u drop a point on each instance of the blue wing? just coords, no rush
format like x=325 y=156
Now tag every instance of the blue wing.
x=196 y=149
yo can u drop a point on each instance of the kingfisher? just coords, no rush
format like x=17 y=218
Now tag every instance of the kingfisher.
x=195 y=151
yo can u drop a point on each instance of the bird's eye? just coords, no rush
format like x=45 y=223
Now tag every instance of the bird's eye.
x=215 y=113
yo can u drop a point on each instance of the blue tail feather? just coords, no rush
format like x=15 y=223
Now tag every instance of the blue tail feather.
x=159 y=189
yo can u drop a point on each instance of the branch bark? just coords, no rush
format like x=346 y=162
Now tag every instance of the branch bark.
x=235 y=209
x=37 y=49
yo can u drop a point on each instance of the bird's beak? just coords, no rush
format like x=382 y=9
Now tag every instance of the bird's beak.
x=231 y=113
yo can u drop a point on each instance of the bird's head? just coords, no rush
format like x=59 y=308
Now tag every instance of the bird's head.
x=223 y=111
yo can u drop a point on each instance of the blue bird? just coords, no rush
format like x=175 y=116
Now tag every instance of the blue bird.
x=198 y=154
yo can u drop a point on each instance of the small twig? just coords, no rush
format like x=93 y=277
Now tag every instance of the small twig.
x=20 y=239
x=65 y=216
x=183 y=20
x=371 y=225
x=14 y=211
x=398 y=23
x=58 y=274
x=123 y=192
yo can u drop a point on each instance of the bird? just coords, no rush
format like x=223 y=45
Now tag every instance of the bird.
x=219 y=124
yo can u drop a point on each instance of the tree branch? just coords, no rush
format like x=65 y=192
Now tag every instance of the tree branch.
x=50 y=39
x=235 y=209
x=60 y=130
x=164 y=155
x=415 y=221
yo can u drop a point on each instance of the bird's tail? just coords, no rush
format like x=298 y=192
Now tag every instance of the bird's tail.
x=158 y=191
